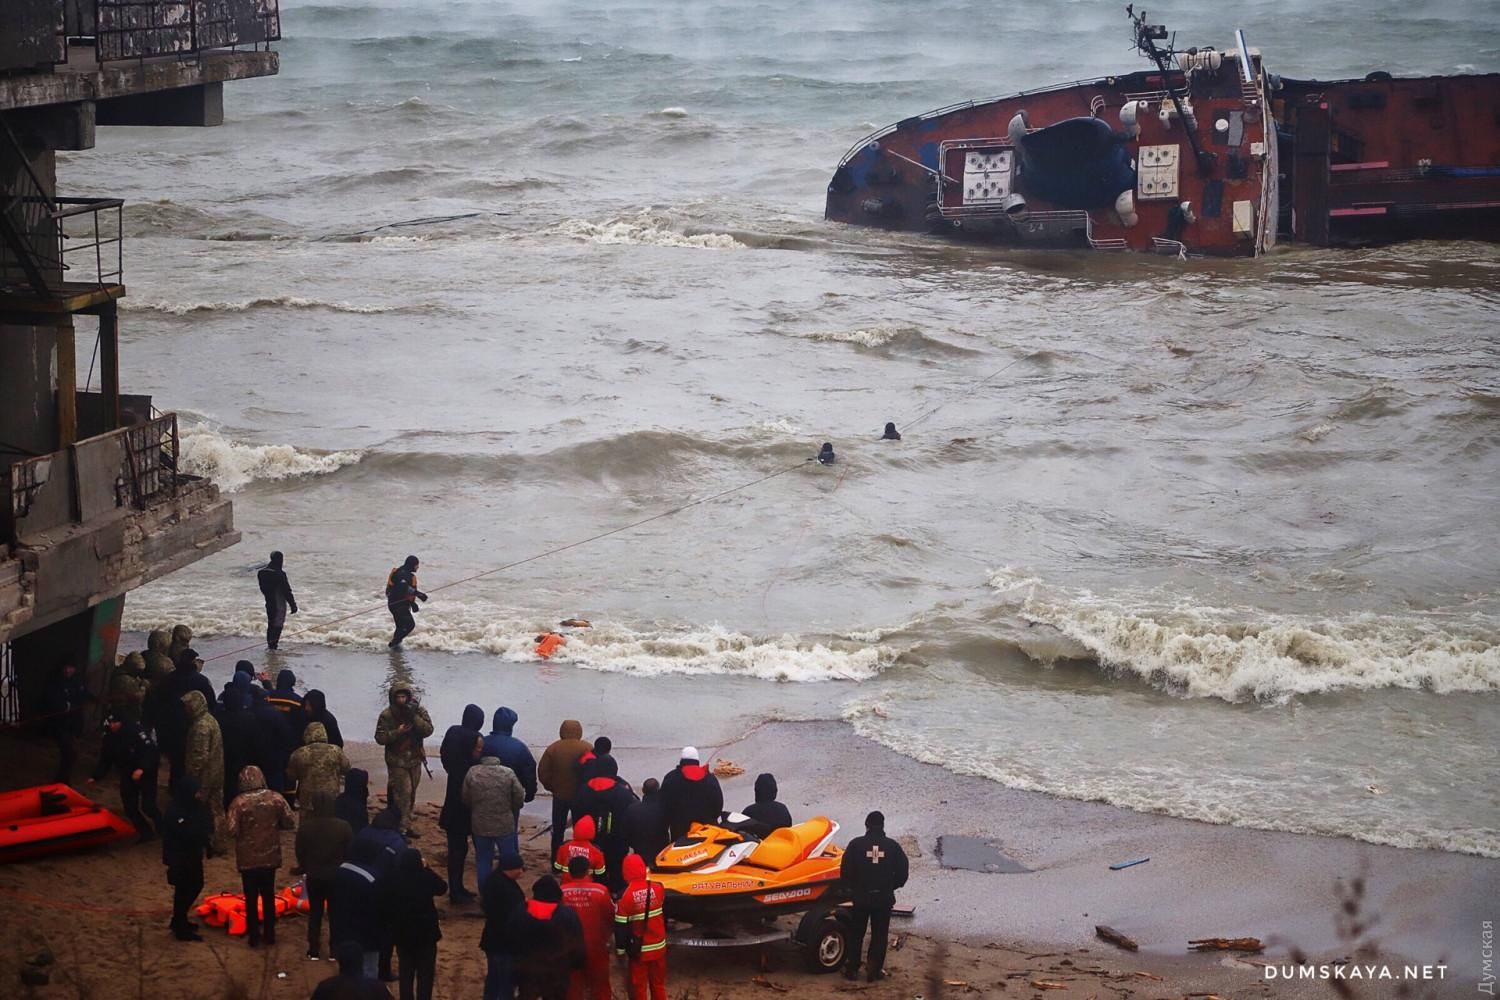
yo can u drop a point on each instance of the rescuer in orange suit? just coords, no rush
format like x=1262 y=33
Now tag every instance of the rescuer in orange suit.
x=641 y=931
x=596 y=911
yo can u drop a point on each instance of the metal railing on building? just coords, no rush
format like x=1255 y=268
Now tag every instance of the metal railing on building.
x=143 y=29
x=47 y=242
x=38 y=33
x=131 y=467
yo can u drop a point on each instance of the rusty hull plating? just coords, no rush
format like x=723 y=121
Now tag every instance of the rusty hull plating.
x=1205 y=154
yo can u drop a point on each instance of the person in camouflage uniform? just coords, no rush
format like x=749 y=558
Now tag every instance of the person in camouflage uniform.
x=316 y=766
x=401 y=729
x=182 y=638
x=127 y=688
x=158 y=659
x=204 y=760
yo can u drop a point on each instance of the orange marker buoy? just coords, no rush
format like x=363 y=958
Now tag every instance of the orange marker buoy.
x=548 y=644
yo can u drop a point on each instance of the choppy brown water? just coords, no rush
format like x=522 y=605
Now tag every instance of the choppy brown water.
x=1245 y=507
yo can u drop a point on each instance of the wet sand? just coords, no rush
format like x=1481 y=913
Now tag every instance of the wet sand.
x=1202 y=880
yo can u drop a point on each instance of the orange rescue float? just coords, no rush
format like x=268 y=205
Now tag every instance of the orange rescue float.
x=549 y=643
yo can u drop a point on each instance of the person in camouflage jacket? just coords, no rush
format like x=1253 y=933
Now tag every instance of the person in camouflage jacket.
x=158 y=660
x=316 y=766
x=204 y=760
x=127 y=688
x=402 y=727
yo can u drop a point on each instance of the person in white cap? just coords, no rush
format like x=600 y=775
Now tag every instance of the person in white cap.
x=690 y=794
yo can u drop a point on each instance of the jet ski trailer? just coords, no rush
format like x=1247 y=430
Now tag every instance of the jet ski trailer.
x=1205 y=152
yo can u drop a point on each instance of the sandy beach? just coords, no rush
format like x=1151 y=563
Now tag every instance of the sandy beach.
x=102 y=916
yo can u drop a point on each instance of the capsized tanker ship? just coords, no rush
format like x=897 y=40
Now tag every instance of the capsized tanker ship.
x=1206 y=152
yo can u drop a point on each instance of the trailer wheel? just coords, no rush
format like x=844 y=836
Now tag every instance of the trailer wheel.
x=824 y=937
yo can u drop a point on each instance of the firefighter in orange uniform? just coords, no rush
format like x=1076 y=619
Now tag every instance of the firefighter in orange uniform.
x=596 y=911
x=581 y=846
x=641 y=931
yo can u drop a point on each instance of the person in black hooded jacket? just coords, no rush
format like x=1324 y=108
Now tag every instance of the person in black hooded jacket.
x=413 y=921
x=766 y=810
x=646 y=823
x=353 y=803
x=273 y=743
x=354 y=907
x=607 y=799
x=187 y=833
x=546 y=940
x=164 y=711
x=458 y=754
x=237 y=726
x=690 y=794
x=315 y=709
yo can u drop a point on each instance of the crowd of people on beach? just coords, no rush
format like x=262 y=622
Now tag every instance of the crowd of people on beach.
x=257 y=759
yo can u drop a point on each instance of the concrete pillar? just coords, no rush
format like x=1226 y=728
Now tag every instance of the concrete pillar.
x=109 y=363
x=28 y=402
x=67 y=388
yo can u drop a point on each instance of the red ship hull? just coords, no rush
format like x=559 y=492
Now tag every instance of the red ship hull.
x=1212 y=156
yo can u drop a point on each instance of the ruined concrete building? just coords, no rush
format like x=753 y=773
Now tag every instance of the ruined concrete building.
x=92 y=502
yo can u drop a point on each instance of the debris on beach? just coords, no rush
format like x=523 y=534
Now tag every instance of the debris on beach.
x=1115 y=937
x=1047 y=984
x=763 y=981
x=1248 y=944
x=575 y=623
x=727 y=769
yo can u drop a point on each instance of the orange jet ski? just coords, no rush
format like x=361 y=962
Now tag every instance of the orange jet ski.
x=731 y=881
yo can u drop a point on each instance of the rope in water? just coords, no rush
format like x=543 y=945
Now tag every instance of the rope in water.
x=539 y=555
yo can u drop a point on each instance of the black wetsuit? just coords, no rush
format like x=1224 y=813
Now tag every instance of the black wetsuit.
x=277 y=590
x=873 y=868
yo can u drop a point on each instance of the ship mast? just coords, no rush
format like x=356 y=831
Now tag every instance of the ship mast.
x=1146 y=36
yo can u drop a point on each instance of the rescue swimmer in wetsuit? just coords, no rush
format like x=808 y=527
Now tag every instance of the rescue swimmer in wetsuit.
x=402 y=595
x=277 y=590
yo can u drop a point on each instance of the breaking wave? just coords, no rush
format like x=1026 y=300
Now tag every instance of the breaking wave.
x=643 y=229
x=889 y=337
x=1240 y=654
x=458 y=627
x=233 y=464
x=244 y=305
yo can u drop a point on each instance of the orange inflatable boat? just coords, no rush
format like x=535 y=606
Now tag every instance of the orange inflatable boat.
x=53 y=819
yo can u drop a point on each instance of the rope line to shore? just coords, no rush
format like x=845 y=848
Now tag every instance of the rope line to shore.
x=965 y=393
x=59 y=904
x=533 y=558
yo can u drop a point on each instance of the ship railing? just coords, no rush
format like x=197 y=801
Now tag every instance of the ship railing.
x=881 y=133
x=1111 y=243
x=1162 y=245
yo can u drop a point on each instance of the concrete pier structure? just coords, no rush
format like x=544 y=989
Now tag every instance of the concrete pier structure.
x=92 y=500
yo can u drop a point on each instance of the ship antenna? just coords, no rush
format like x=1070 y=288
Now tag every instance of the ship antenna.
x=1146 y=37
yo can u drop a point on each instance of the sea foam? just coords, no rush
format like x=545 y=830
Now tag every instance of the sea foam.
x=643 y=229
x=232 y=465
x=1238 y=654
x=457 y=626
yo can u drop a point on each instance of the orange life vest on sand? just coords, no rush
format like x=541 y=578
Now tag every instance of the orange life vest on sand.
x=227 y=909
x=641 y=909
x=548 y=644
